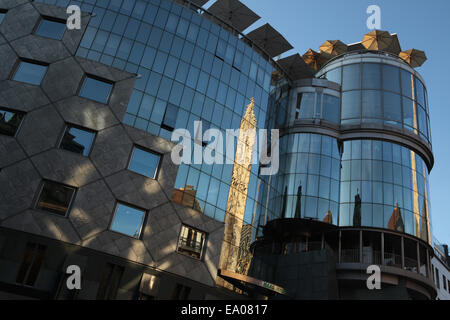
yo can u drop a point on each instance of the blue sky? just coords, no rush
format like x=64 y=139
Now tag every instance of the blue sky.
x=423 y=25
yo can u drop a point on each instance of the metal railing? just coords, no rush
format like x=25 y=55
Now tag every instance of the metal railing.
x=190 y=245
x=350 y=256
x=392 y=260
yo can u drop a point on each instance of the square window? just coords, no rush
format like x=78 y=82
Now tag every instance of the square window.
x=191 y=242
x=50 y=28
x=144 y=162
x=128 y=220
x=55 y=197
x=96 y=90
x=29 y=72
x=2 y=14
x=77 y=140
x=10 y=122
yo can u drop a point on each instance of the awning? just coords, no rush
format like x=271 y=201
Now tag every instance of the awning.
x=270 y=40
x=250 y=284
x=235 y=13
x=295 y=67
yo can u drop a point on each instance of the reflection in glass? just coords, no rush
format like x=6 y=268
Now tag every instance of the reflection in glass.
x=371 y=104
x=144 y=162
x=55 y=197
x=31 y=73
x=351 y=77
x=128 y=220
x=351 y=105
x=77 y=140
x=371 y=76
x=96 y=90
x=191 y=242
x=10 y=122
x=51 y=29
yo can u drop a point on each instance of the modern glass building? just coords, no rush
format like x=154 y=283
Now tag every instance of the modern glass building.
x=355 y=154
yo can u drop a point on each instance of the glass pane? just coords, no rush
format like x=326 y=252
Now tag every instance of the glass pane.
x=330 y=108
x=9 y=122
x=334 y=75
x=96 y=90
x=392 y=107
x=351 y=77
x=143 y=162
x=407 y=83
x=191 y=241
x=55 y=197
x=420 y=92
x=307 y=106
x=351 y=105
x=409 y=117
x=51 y=29
x=128 y=220
x=30 y=73
x=2 y=14
x=77 y=140
x=371 y=73
x=371 y=104
x=391 y=78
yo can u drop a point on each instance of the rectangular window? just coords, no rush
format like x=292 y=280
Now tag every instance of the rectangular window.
x=97 y=90
x=110 y=282
x=191 y=242
x=55 y=197
x=77 y=140
x=128 y=220
x=30 y=72
x=10 y=122
x=51 y=28
x=144 y=162
x=444 y=282
x=330 y=107
x=31 y=264
x=2 y=14
x=438 y=280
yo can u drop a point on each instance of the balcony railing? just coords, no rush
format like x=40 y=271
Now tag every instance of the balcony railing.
x=392 y=260
x=350 y=256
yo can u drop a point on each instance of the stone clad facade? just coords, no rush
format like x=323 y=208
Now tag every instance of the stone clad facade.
x=101 y=179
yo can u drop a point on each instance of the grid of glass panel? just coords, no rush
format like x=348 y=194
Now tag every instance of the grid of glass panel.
x=189 y=69
x=384 y=94
x=311 y=105
x=308 y=182
x=378 y=177
x=51 y=29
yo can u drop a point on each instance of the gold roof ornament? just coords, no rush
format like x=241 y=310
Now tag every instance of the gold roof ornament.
x=395 y=45
x=314 y=59
x=377 y=40
x=414 y=57
x=333 y=47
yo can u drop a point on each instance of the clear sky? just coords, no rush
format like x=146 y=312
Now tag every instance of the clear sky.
x=423 y=25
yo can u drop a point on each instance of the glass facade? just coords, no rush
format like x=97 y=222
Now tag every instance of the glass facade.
x=189 y=68
x=307 y=185
x=384 y=94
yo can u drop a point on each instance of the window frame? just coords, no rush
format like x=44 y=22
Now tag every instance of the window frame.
x=52 y=19
x=126 y=204
x=29 y=61
x=35 y=253
x=97 y=78
x=3 y=11
x=39 y=194
x=202 y=251
x=2 y=108
x=158 y=167
x=67 y=127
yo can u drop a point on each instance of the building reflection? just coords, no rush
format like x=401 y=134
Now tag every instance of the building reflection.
x=186 y=197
